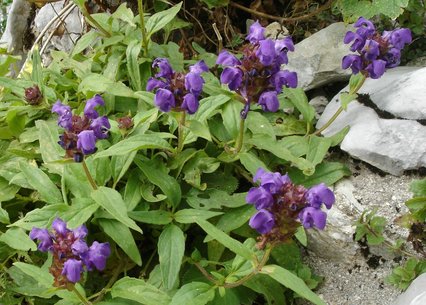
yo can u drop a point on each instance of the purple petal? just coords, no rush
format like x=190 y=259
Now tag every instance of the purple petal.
x=89 y=109
x=80 y=232
x=370 y=50
x=266 y=52
x=232 y=76
x=259 y=174
x=349 y=37
x=284 y=45
x=392 y=58
x=164 y=100
x=227 y=59
x=260 y=197
x=284 y=78
x=263 y=221
x=164 y=66
x=400 y=37
x=154 y=83
x=199 y=67
x=256 y=33
x=44 y=238
x=269 y=101
x=87 y=141
x=311 y=217
x=60 y=227
x=100 y=127
x=190 y=103
x=319 y=194
x=72 y=270
x=79 y=247
x=65 y=115
x=365 y=27
x=376 y=68
x=352 y=61
x=194 y=83
x=97 y=255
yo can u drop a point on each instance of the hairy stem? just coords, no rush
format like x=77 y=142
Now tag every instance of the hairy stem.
x=239 y=141
x=181 y=126
x=89 y=176
x=143 y=29
x=80 y=296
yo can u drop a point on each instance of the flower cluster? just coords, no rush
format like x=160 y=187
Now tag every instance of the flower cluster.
x=33 y=95
x=376 y=52
x=177 y=90
x=282 y=206
x=257 y=76
x=71 y=254
x=81 y=132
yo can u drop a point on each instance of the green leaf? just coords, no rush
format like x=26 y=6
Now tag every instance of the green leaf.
x=140 y=291
x=93 y=82
x=199 y=129
x=195 y=293
x=171 y=247
x=317 y=149
x=36 y=73
x=17 y=239
x=132 y=54
x=299 y=99
x=41 y=182
x=191 y=215
x=125 y=14
x=155 y=217
x=144 y=141
x=120 y=164
x=271 y=290
x=4 y=216
x=346 y=98
x=231 y=117
x=208 y=107
x=79 y=212
x=301 y=236
x=48 y=138
x=156 y=175
x=291 y=281
x=418 y=187
x=84 y=42
x=40 y=218
x=230 y=243
x=251 y=162
x=417 y=207
x=216 y=3
x=112 y=202
x=132 y=192
x=326 y=172
x=258 y=124
x=43 y=277
x=7 y=191
x=122 y=236
x=159 y=20
x=352 y=9
x=214 y=199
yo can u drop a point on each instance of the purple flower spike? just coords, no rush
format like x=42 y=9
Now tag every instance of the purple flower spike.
x=60 y=226
x=371 y=49
x=100 y=127
x=190 y=103
x=72 y=270
x=269 y=101
x=97 y=255
x=284 y=78
x=260 y=197
x=194 y=83
x=199 y=67
x=352 y=61
x=45 y=240
x=256 y=33
x=266 y=52
x=400 y=37
x=65 y=115
x=87 y=142
x=232 y=76
x=163 y=64
x=89 y=109
x=263 y=221
x=319 y=194
x=227 y=59
x=154 y=84
x=376 y=68
x=311 y=217
x=164 y=100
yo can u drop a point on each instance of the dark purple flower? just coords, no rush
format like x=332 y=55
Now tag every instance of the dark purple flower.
x=44 y=238
x=266 y=52
x=376 y=68
x=269 y=101
x=72 y=270
x=190 y=103
x=263 y=221
x=164 y=100
x=60 y=226
x=232 y=76
x=97 y=255
x=365 y=27
x=154 y=83
x=100 y=127
x=80 y=232
x=194 y=83
x=284 y=78
x=352 y=61
x=319 y=194
x=399 y=37
x=311 y=217
x=65 y=115
x=370 y=49
x=256 y=33
x=392 y=58
x=164 y=66
x=227 y=59
x=33 y=95
x=87 y=141
x=89 y=109
x=260 y=197
x=272 y=182
x=79 y=248
x=284 y=45
x=199 y=67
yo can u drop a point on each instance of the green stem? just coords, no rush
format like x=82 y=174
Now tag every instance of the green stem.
x=99 y=296
x=239 y=141
x=339 y=110
x=144 y=36
x=92 y=20
x=80 y=296
x=89 y=176
x=181 y=126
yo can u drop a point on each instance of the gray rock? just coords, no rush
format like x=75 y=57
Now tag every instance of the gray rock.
x=16 y=26
x=318 y=102
x=318 y=58
x=276 y=31
x=392 y=145
x=415 y=294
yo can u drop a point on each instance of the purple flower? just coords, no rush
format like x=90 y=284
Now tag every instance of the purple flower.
x=100 y=127
x=232 y=76
x=190 y=103
x=164 y=66
x=392 y=58
x=87 y=141
x=365 y=27
x=352 y=61
x=60 y=226
x=65 y=114
x=263 y=221
x=97 y=255
x=272 y=182
x=227 y=59
x=358 y=41
x=260 y=197
x=376 y=68
x=256 y=33
x=269 y=101
x=44 y=238
x=370 y=50
x=89 y=109
x=284 y=78
x=194 y=83
x=79 y=247
x=72 y=270
x=319 y=194
x=199 y=67
x=282 y=46
x=164 y=100
x=155 y=84
x=80 y=232
x=266 y=52
x=311 y=217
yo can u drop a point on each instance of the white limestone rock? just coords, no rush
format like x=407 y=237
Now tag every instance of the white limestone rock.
x=16 y=26
x=415 y=294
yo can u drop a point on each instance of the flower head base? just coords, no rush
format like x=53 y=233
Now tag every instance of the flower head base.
x=376 y=52
x=71 y=254
x=175 y=90
x=33 y=95
x=257 y=76
x=282 y=206
x=81 y=132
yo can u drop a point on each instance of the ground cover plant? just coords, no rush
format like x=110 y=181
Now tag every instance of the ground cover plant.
x=184 y=175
